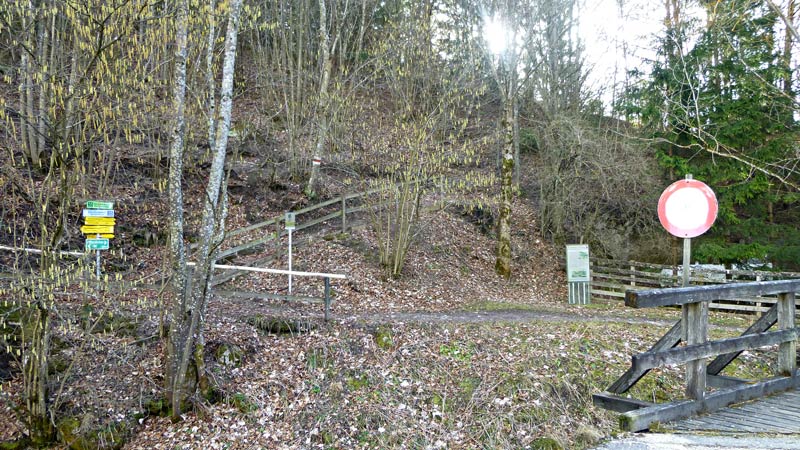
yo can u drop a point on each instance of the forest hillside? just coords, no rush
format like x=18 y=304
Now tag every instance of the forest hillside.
x=437 y=155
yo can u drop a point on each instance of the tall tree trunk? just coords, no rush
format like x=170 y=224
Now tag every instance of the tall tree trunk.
x=187 y=346
x=361 y=30
x=177 y=323
x=41 y=116
x=787 y=47
x=35 y=362
x=211 y=101
x=503 y=263
x=322 y=111
x=515 y=126
x=31 y=142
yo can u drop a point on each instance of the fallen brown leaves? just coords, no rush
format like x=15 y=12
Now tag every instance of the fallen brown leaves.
x=383 y=374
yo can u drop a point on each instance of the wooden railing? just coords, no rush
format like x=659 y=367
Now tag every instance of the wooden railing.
x=274 y=228
x=693 y=330
x=326 y=277
x=611 y=279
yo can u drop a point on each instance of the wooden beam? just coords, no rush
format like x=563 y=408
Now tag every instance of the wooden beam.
x=641 y=419
x=759 y=326
x=633 y=375
x=283 y=272
x=682 y=355
x=693 y=294
x=269 y=296
x=317 y=206
x=246 y=246
x=611 y=402
x=252 y=227
x=723 y=382
x=787 y=353
x=695 y=329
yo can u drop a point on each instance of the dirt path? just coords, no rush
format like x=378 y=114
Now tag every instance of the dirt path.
x=521 y=316
x=248 y=307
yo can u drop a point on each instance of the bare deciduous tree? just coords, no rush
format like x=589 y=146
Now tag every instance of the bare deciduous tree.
x=185 y=369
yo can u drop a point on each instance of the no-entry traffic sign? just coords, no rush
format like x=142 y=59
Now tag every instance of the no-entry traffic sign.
x=687 y=208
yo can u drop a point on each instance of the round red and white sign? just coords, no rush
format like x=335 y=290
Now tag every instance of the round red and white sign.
x=687 y=208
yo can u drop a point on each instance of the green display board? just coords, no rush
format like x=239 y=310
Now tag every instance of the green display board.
x=578 y=263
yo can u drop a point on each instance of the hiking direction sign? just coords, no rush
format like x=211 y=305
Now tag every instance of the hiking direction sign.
x=98 y=226
x=98 y=221
x=96 y=244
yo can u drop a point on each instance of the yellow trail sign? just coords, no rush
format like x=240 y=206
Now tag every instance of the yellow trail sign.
x=97 y=229
x=99 y=221
x=107 y=235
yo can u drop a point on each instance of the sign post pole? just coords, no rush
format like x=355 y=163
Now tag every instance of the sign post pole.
x=687 y=257
x=289 y=220
x=97 y=262
x=687 y=252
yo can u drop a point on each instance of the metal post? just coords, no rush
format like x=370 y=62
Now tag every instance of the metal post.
x=687 y=258
x=290 y=261
x=327 y=297
x=687 y=252
x=97 y=263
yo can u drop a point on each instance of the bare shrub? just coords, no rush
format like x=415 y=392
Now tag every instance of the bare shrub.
x=595 y=186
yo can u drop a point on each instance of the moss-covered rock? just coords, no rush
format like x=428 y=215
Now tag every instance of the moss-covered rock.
x=273 y=325
x=229 y=354
x=105 y=322
x=157 y=407
x=69 y=433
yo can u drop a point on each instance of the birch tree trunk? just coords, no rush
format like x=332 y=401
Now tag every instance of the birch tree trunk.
x=211 y=101
x=177 y=323
x=186 y=341
x=322 y=113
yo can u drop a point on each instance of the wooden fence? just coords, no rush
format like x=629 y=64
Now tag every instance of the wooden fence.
x=693 y=330
x=343 y=208
x=611 y=279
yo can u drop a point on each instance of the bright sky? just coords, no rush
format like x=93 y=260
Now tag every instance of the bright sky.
x=616 y=38
x=619 y=39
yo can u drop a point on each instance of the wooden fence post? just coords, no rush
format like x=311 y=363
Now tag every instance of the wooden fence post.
x=344 y=212
x=787 y=352
x=696 y=332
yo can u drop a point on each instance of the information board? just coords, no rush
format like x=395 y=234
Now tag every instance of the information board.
x=578 y=263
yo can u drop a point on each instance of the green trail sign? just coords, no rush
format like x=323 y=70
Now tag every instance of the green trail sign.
x=99 y=204
x=97 y=244
x=290 y=220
